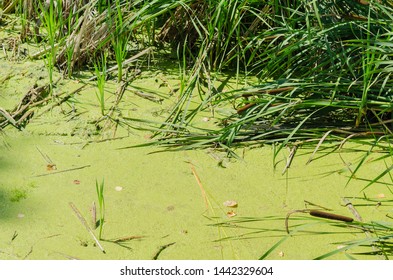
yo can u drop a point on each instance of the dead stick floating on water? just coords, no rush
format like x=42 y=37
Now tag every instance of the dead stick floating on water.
x=128 y=238
x=62 y=171
x=83 y=221
x=93 y=212
x=319 y=214
x=292 y=152
x=354 y=212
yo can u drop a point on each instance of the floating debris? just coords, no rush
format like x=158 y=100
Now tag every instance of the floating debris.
x=381 y=195
x=170 y=208
x=93 y=212
x=21 y=216
x=231 y=214
x=84 y=223
x=230 y=203
x=128 y=238
x=51 y=166
x=118 y=188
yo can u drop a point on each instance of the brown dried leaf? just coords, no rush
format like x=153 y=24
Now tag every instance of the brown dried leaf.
x=231 y=214
x=51 y=166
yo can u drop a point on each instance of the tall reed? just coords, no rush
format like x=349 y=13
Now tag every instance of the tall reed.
x=51 y=16
x=100 y=67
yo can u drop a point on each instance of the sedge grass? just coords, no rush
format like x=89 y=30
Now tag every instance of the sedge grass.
x=318 y=72
x=51 y=17
x=343 y=88
x=100 y=68
x=377 y=241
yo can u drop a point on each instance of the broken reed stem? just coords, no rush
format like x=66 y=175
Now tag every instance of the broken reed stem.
x=319 y=214
x=162 y=248
x=354 y=212
x=128 y=238
x=93 y=212
x=83 y=221
x=200 y=186
x=61 y=171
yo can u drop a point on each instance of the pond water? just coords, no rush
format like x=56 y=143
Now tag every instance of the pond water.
x=166 y=205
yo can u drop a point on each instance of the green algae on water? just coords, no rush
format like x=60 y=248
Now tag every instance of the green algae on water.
x=17 y=195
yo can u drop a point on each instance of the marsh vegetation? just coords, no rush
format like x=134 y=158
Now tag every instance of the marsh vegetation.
x=294 y=75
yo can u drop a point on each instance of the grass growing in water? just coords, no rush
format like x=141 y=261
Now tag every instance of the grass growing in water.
x=51 y=17
x=365 y=239
x=339 y=93
x=100 y=71
x=119 y=41
x=101 y=206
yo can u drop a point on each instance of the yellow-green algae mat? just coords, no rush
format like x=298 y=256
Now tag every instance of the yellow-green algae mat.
x=164 y=205
x=155 y=200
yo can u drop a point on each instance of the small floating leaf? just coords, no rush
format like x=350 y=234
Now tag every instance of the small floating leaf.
x=51 y=166
x=231 y=214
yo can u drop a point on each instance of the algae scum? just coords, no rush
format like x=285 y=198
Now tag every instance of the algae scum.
x=85 y=121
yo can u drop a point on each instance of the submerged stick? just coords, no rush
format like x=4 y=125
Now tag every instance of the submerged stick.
x=8 y=117
x=59 y=102
x=148 y=96
x=93 y=211
x=83 y=221
x=128 y=238
x=162 y=248
x=44 y=156
x=200 y=186
x=306 y=202
x=61 y=171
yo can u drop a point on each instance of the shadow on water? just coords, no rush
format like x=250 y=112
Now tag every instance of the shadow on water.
x=5 y=203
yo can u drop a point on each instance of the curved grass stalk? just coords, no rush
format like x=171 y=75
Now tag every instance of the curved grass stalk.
x=100 y=71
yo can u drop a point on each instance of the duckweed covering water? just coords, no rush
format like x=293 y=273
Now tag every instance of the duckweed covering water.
x=57 y=141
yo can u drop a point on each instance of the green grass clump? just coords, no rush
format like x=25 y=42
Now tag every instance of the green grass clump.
x=100 y=71
x=101 y=206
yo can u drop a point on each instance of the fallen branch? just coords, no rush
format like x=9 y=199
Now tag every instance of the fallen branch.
x=62 y=171
x=162 y=248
